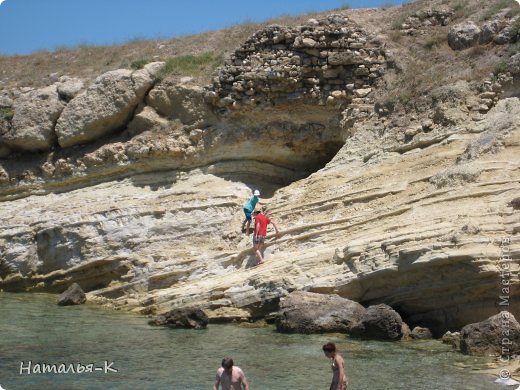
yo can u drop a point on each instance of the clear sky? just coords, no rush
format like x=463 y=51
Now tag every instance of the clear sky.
x=31 y=25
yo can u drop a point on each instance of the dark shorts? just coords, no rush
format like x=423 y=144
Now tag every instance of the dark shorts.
x=248 y=215
x=259 y=239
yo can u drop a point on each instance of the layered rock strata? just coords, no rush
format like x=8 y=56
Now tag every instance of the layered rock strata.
x=417 y=212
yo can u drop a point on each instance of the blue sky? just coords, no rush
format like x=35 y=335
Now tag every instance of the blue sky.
x=31 y=25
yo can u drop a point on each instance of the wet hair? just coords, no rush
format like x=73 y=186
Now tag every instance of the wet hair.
x=227 y=362
x=329 y=347
x=258 y=212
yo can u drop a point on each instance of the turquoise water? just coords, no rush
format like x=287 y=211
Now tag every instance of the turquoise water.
x=34 y=329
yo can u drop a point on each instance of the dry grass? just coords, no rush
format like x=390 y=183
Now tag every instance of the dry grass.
x=429 y=60
x=88 y=62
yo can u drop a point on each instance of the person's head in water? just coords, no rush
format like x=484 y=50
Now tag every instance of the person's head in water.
x=227 y=363
x=329 y=349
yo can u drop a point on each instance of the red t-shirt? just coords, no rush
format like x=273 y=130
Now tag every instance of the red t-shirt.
x=263 y=221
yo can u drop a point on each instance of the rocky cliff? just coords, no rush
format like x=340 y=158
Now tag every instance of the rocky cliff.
x=133 y=185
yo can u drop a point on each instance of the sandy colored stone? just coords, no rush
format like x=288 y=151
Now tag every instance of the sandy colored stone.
x=35 y=115
x=105 y=106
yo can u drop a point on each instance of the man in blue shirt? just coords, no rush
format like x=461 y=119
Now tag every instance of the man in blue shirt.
x=248 y=211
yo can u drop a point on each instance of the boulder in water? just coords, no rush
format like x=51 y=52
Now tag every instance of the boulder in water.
x=499 y=334
x=305 y=312
x=74 y=295
x=182 y=318
x=380 y=322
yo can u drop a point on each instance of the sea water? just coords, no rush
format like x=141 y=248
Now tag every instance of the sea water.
x=104 y=349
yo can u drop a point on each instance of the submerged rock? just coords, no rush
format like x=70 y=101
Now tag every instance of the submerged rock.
x=74 y=295
x=380 y=322
x=452 y=338
x=182 y=318
x=419 y=333
x=305 y=312
x=499 y=334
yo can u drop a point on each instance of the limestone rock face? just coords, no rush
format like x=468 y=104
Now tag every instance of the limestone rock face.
x=463 y=35
x=304 y=312
x=35 y=115
x=499 y=334
x=182 y=102
x=106 y=105
x=182 y=318
x=74 y=295
x=380 y=322
x=68 y=87
x=145 y=119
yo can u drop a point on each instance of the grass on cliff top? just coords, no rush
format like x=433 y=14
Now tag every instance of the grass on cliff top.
x=192 y=65
x=199 y=55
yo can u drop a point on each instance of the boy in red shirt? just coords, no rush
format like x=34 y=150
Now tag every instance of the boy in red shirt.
x=261 y=222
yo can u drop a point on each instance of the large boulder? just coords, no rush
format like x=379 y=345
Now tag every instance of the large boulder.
x=105 y=106
x=305 y=312
x=380 y=322
x=463 y=35
x=182 y=318
x=32 y=124
x=488 y=31
x=499 y=334
x=183 y=102
x=505 y=36
x=74 y=295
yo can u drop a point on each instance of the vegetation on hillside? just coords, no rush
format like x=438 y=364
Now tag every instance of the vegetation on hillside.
x=424 y=60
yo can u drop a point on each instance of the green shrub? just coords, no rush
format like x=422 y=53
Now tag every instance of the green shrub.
x=192 y=65
x=501 y=67
x=139 y=64
x=516 y=26
x=6 y=113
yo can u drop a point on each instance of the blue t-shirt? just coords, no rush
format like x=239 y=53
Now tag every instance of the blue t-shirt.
x=250 y=206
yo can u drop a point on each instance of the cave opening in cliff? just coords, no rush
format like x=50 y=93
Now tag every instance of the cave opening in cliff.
x=273 y=155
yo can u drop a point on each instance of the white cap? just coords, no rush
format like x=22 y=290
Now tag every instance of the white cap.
x=256 y=193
